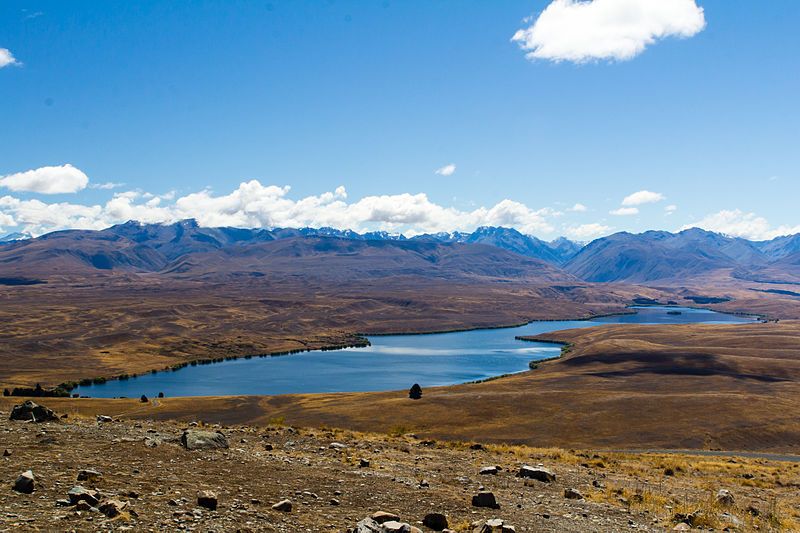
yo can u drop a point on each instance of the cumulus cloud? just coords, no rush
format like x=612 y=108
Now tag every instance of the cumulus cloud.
x=7 y=58
x=581 y=31
x=447 y=170
x=578 y=208
x=670 y=209
x=255 y=205
x=625 y=211
x=737 y=223
x=642 y=197
x=47 y=180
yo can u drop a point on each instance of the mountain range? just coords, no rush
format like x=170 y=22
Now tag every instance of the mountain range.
x=186 y=249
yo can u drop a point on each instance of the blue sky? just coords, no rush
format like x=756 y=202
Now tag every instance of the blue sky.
x=180 y=106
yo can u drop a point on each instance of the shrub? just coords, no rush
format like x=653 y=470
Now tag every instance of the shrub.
x=415 y=392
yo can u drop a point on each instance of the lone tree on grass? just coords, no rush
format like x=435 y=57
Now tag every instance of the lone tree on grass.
x=415 y=392
x=143 y=399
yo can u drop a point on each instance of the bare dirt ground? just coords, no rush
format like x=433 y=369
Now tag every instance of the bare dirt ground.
x=156 y=481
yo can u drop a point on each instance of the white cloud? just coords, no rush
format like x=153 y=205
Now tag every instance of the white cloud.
x=106 y=186
x=578 y=208
x=737 y=223
x=586 y=232
x=642 y=197
x=581 y=31
x=447 y=170
x=255 y=205
x=7 y=58
x=625 y=211
x=6 y=220
x=670 y=209
x=47 y=180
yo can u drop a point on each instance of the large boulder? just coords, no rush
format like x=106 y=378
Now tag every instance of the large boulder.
x=32 y=411
x=25 y=483
x=435 y=521
x=485 y=499
x=207 y=499
x=494 y=525
x=195 y=439
x=539 y=474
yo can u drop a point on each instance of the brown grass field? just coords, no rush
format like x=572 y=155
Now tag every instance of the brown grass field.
x=619 y=387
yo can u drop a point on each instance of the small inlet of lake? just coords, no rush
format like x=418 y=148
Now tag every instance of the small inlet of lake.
x=392 y=362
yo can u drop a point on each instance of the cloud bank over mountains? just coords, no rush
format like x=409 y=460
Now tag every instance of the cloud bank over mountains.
x=255 y=205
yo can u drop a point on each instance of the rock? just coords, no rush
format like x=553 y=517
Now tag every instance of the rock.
x=683 y=526
x=539 y=474
x=89 y=475
x=63 y=502
x=394 y=526
x=488 y=471
x=476 y=446
x=337 y=446
x=6 y=453
x=284 y=506
x=363 y=463
x=104 y=418
x=334 y=502
x=424 y=484
x=195 y=439
x=25 y=483
x=268 y=447
x=207 y=499
x=725 y=498
x=485 y=499
x=383 y=516
x=84 y=506
x=435 y=521
x=368 y=525
x=32 y=411
x=80 y=494
x=572 y=494
x=495 y=525
x=113 y=508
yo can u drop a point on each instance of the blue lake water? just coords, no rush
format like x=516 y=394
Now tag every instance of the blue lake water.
x=392 y=362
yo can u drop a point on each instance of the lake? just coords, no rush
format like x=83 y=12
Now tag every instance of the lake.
x=392 y=362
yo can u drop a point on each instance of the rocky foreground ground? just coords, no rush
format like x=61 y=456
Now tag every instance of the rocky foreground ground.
x=105 y=474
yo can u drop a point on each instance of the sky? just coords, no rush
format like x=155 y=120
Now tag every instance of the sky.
x=556 y=117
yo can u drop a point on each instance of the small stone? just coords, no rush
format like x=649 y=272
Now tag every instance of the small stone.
x=89 y=475
x=80 y=494
x=435 y=521
x=268 y=447
x=63 y=502
x=363 y=463
x=104 y=418
x=725 y=498
x=485 y=499
x=424 y=484
x=384 y=516
x=572 y=494
x=25 y=483
x=539 y=474
x=6 y=453
x=476 y=446
x=284 y=506
x=683 y=526
x=207 y=499
x=83 y=505
x=335 y=502
x=112 y=508
x=488 y=471
x=337 y=446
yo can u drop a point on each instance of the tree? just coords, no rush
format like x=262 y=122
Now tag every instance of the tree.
x=415 y=393
x=143 y=399
x=160 y=394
